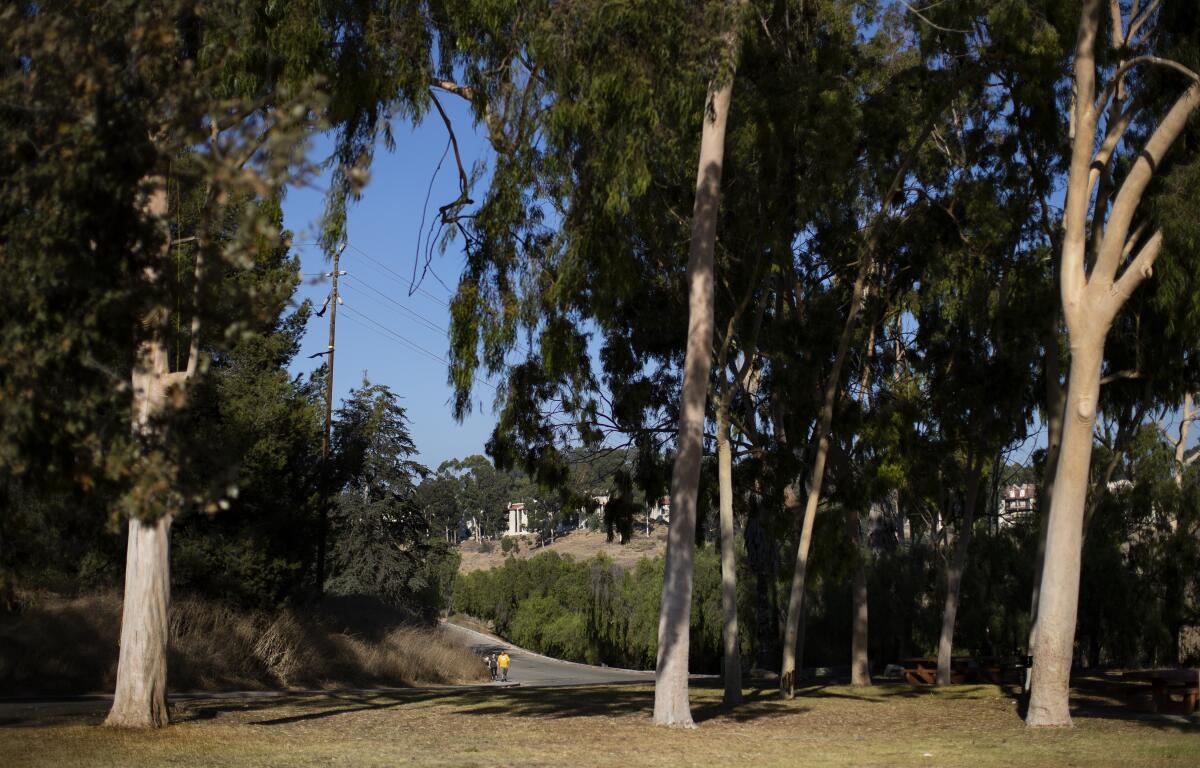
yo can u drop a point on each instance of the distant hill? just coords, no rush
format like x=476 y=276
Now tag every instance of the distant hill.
x=580 y=545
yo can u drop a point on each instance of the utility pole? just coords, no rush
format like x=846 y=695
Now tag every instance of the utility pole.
x=323 y=526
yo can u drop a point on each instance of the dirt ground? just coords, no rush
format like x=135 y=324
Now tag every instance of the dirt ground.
x=580 y=545
x=897 y=725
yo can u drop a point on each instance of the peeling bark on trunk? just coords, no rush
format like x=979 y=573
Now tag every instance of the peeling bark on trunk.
x=954 y=572
x=671 y=702
x=729 y=617
x=140 y=699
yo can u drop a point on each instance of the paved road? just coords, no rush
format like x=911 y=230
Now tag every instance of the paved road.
x=531 y=669
x=527 y=669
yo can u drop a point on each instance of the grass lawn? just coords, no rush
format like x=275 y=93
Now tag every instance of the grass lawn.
x=972 y=726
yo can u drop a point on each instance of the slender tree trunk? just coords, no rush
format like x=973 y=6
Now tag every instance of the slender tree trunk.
x=954 y=572
x=787 y=673
x=860 y=662
x=1181 y=445
x=1056 y=398
x=671 y=703
x=729 y=617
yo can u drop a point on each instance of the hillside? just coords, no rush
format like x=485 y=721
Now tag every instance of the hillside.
x=580 y=545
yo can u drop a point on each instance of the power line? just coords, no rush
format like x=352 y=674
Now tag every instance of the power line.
x=396 y=275
x=420 y=318
x=397 y=335
x=429 y=324
x=364 y=319
x=413 y=287
x=417 y=316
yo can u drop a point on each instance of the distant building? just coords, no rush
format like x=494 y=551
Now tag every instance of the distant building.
x=660 y=511
x=518 y=519
x=1018 y=503
x=598 y=505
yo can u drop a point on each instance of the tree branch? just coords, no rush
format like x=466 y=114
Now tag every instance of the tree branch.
x=464 y=91
x=1119 y=375
x=1149 y=160
x=1139 y=19
x=1141 y=268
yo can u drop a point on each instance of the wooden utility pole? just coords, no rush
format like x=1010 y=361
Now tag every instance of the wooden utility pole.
x=323 y=526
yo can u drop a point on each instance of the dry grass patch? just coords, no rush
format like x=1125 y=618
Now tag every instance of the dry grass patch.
x=69 y=645
x=974 y=726
x=580 y=545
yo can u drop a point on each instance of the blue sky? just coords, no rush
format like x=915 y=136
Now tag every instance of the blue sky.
x=384 y=333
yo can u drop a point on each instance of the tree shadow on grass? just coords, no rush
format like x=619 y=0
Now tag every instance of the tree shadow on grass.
x=332 y=704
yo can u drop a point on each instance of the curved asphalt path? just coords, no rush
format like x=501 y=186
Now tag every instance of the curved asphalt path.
x=531 y=669
x=528 y=669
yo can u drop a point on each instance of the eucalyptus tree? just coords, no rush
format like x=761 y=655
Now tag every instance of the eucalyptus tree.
x=168 y=78
x=232 y=85
x=888 y=157
x=1105 y=232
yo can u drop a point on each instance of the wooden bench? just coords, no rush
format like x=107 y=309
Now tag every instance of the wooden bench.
x=1176 y=691
x=924 y=671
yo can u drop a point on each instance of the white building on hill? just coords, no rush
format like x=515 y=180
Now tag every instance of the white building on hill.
x=518 y=519
x=660 y=511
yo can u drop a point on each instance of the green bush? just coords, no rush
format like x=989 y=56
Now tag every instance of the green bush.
x=593 y=611
x=508 y=544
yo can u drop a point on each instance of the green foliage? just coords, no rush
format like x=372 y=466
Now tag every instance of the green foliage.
x=595 y=612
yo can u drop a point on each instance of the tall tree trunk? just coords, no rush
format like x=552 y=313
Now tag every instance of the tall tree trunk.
x=671 y=703
x=954 y=572
x=860 y=663
x=140 y=699
x=1056 y=398
x=1059 y=598
x=1091 y=299
x=729 y=617
x=787 y=673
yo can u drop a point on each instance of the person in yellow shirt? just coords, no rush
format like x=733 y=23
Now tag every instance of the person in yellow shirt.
x=503 y=662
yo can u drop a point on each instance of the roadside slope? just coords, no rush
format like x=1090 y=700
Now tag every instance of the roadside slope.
x=580 y=545
x=532 y=669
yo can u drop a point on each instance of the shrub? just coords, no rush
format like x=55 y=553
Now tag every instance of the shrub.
x=509 y=544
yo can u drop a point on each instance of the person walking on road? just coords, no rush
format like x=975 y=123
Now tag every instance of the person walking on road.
x=503 y=662
x=491 y=662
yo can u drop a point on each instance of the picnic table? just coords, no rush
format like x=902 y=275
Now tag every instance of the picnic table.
x=918 y=671
x=1176 y=691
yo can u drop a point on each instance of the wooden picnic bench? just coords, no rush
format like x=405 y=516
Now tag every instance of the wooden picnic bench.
x=924 y=672
x=1176 y=691
x=963 y=669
